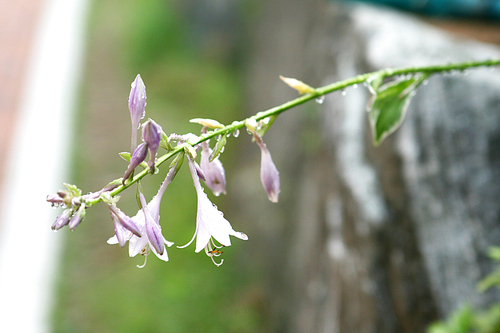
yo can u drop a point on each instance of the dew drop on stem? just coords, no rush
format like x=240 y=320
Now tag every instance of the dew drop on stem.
x=320 y=99
x=236 y=133
x=344 y=92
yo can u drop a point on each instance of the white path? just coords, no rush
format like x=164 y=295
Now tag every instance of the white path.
x=37 y=165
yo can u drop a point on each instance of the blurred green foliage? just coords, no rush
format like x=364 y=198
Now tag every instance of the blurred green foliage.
x=465 y=319
x=100 y=289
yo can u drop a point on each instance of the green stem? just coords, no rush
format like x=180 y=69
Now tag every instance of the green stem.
x=237 y=125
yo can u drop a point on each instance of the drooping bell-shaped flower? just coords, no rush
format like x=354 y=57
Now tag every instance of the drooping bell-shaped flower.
x=147 y=220
x=269 y=175
x=137 y=158
x=215 y=177
x=137 y=107
x=210 y=222
x=124 y=220
x=151 y=134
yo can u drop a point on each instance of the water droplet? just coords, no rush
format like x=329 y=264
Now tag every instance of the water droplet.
x=465 y=72
x=222 y=149
x=355 y=86
x=344 y=92
x=320 y=99
x=266 y=120
x=425 y=82
x=236 y=133
x=228 y=135
x=219 y=137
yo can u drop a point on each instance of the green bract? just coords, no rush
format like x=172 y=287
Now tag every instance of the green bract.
x=389 y=103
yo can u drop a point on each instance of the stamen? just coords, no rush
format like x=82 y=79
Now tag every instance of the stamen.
x=145 y=261
x=217 y=264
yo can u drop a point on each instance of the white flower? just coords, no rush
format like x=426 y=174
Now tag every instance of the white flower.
x=147 y=220
x=210 y=223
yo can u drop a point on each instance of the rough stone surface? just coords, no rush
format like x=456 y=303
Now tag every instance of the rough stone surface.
x=368 y=239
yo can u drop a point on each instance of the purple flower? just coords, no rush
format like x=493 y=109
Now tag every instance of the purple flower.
x=269 y=175
x=147 y=220
x=151 y=134
x=137 y=107
x=210 y=223
x=215 y=177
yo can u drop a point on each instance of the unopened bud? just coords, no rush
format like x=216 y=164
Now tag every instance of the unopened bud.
x=137 y=158
x=215 y=176
x=77 y=218
x=137 y=107
x=210 y=123
x=269 y=174
x=151 y=134
x=137 y=101
x=300 y=86
x=62 y=220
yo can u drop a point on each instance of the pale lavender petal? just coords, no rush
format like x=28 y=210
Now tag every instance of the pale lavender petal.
x=124 y=220
x=153 y=230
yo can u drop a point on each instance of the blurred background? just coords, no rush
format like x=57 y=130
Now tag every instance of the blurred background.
x=364 y=239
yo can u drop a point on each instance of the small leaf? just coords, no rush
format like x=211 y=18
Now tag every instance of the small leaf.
x=125 y=155
x=494 y=253
x=219 y=146
x=388 y=106
x=164 y=142
x=73 y=190
x=177 y=161
x=266 y=124
x=491 y=280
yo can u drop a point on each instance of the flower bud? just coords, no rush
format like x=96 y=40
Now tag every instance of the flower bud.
x=269 y=175
x=137 y=158
x=55 y=199
x=300 y=86
x=62 y=220
x=151 y=134
x=215 y=177
x=137 y=106
x=77 y=218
